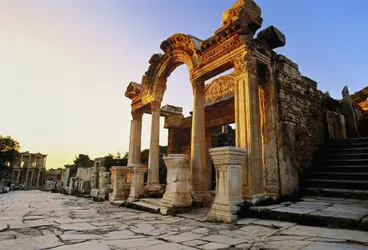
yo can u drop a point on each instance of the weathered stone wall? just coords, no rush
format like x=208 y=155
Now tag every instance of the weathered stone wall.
x=301 y=122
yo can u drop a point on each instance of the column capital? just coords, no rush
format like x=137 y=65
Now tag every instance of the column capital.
x=198 y=85
x=137 y=115
x=155 y=106
x=244 y=64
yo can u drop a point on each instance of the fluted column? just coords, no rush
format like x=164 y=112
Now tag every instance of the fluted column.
x=153 y=183
x=134 y=156
x=248 y=125
x=198 y=142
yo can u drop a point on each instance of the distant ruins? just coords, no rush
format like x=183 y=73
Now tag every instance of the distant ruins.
x=29 y=168
x=281 y=120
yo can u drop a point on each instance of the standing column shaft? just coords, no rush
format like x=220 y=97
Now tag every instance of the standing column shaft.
x=134 y=156
x=153 y=184
x=248 y=126
x=198 y=142
x=38 y=178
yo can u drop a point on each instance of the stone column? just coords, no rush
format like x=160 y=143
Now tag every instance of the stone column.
x=134 y=156
x=18 y=179
x=178 y=188
x=137 y=182
x=153 y=183
x=118 y=179
x=198 y=143
x=208 y=158
x=38 y=178
x=248 y=125
x=228 y=163
x=26 y=181
x=31 y=182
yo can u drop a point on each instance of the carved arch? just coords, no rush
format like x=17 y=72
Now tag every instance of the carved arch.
x=179 y=49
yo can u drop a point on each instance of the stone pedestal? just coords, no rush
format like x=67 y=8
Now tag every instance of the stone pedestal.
x=137 y=182
x=118 y=180
x=228 y=164
x=178 y=188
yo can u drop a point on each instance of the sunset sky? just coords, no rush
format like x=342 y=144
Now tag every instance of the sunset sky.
x=65 y=64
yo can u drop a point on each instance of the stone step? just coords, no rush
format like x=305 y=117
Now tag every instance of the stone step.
x=346 y=168
x=345 y=156
x=335 y=192
x=339 y=175
x=362 y=144
x=330 y=162
x=341 y=184
x=345 y=150
x=151 y=201
x=317 y=211
x=144 y=206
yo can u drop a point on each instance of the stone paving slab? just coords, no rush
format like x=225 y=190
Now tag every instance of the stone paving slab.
x=65 y=222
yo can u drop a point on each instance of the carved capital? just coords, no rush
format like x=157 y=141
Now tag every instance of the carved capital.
x=198 y=86
x=137 y=115
x=244 y=64
x=155 y=106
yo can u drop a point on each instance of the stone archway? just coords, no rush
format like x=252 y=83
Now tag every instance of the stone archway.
x=232 y=46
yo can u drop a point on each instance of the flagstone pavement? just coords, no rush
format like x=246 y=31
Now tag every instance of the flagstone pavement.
x=41 y=220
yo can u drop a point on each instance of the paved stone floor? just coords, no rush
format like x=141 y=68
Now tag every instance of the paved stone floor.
x=41 y=220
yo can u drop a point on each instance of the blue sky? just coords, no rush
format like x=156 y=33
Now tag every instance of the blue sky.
x=65 y=65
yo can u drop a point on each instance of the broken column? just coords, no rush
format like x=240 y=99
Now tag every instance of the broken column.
x=228 y=165
x=137 y=182
x=349 y=114
x=178 y=188
x=104 y=180
x=118 y=180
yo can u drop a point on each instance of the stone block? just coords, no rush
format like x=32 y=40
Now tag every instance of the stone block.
x=94 y=193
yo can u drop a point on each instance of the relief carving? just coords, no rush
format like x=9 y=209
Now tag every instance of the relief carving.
x=222 y=48
x=155 y=106
x=220 y=89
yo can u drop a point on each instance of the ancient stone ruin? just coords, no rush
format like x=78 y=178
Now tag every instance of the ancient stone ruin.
x=281 y=121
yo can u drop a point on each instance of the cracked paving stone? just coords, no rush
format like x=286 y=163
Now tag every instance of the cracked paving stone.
x=182 y=237
x=31 y=243
x=77 y=227
x=223 y=239
x=213 y=246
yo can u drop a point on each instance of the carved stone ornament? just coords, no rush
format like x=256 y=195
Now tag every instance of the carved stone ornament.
x=155 y=106
x=243 y=64
x=219 y=89
x=198 y=86
x=183 y=42
x=134 y=90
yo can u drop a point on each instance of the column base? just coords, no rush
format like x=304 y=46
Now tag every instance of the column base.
x=152 y=188
x=203 y=197
x=115 y=198
x=223 y=213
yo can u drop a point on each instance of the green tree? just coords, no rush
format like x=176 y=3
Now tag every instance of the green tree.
x=7 y=143
x=8 y=152
x=83 y=161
